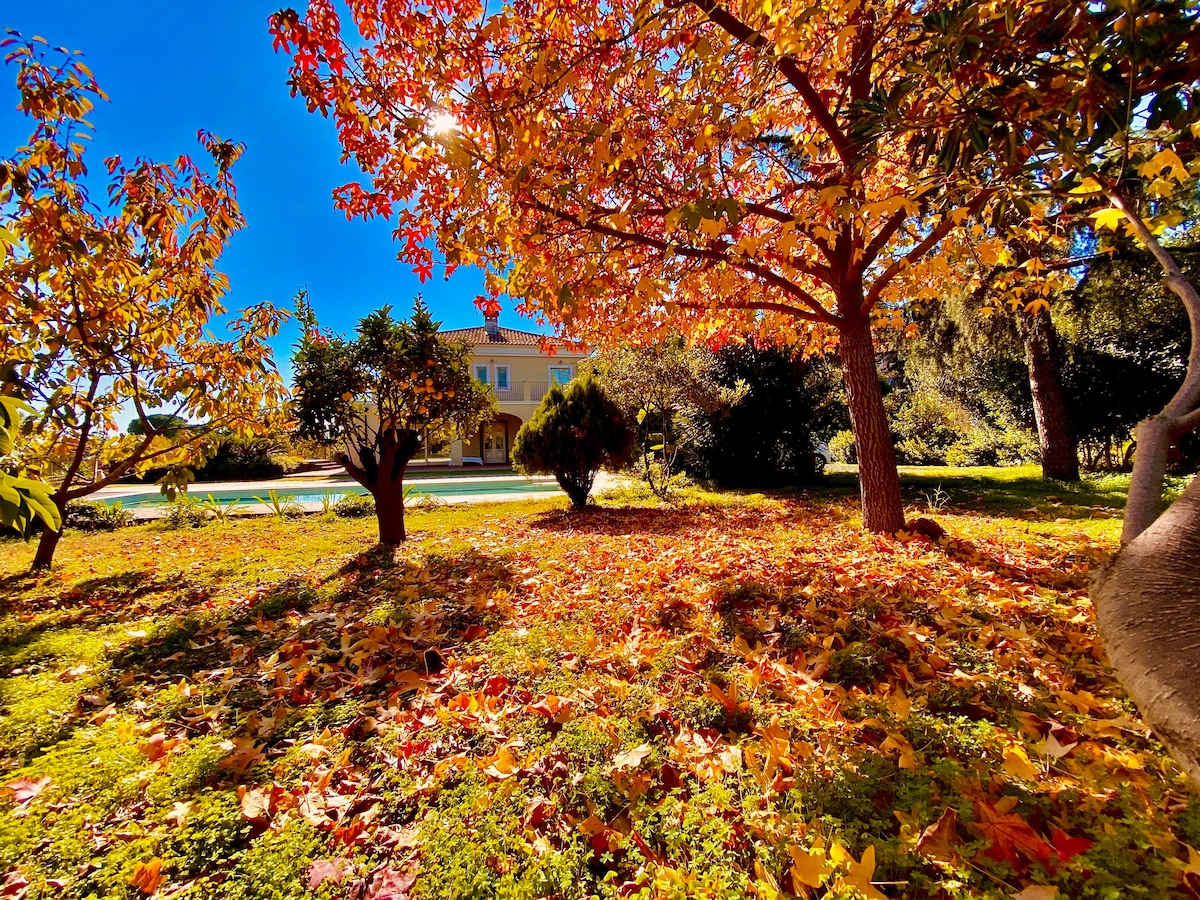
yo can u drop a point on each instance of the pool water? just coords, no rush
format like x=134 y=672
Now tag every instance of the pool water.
x=308 y=495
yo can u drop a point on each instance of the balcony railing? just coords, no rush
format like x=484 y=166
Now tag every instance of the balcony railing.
x=522 y=392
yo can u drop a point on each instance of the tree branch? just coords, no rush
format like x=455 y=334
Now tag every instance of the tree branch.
x=788 y=67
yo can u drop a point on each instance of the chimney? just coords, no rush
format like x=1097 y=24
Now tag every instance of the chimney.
x=491 y=324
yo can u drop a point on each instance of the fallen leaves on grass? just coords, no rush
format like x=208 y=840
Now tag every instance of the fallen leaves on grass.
x=754 y=699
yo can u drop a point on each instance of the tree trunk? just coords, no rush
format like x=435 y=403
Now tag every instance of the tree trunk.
x=1148 y=609
x=1060 y=452
x=389 y=511
x=879 y=482
x=48 y=542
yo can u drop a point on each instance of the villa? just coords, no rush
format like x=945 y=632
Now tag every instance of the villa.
x=520 y=366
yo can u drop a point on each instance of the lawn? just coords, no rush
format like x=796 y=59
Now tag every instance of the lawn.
x=739 y=696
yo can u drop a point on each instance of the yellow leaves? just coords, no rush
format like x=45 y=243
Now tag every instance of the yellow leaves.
x=1016 y=762
x=859 y=875
x=503 y=764
x=809 y=867
x=1108 y=218
x=908 y=758
x=1166 y=160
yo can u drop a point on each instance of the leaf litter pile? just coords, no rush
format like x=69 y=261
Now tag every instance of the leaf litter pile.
x=749 y=698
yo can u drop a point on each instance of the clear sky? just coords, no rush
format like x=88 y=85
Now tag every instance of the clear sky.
x=171 y=67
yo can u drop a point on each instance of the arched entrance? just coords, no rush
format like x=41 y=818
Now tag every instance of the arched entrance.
x=496 y=439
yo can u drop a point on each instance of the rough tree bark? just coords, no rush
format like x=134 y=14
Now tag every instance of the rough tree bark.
x=882 y=506
x=1060 y=452
x=1148 y=597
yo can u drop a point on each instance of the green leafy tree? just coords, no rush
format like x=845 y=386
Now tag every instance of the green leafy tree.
x=23 y=501
x=377 y=395
x=765 y=436
x=572 y=435
x=164 y=423
x=662 y=390
x=108 y=308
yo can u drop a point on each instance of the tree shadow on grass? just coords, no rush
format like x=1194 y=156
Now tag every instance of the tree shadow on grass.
x=993 y=491
x=619 y=520
x=96 y=602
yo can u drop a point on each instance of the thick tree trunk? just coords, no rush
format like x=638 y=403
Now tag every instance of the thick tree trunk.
x=389 y=511
x=1060 y=452
x=879 y=482
x=43 y=558
x=1148 y=609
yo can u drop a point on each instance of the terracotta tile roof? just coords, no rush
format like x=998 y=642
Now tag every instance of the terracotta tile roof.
x=510 y=336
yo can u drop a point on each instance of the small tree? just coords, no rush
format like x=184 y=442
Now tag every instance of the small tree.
x=571 y=436
x=108 y=309
x=378 y=395
x=663 y=389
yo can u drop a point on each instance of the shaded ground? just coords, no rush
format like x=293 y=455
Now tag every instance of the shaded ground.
x=741 y=697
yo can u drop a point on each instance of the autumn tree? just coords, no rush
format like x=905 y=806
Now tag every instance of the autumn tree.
x=378 y=395
x=1107 y=96
x=106 y=311
x=574 y=433
x=637 y=169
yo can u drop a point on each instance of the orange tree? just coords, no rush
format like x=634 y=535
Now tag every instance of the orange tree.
x=104 y=313
x=1107 y=96
x=377 y=395
x=641 y=168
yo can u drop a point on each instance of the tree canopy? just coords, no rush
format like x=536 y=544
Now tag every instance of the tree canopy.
x=378 y=394
x=632 y=170
x=107 y=310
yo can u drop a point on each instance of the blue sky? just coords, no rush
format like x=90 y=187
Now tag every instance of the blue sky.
x=172 y=67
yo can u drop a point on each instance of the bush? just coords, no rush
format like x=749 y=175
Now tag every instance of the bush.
x=842 y=447
x=355 y=506
x=95 y=515
x=761 y=435
x=184 y=512
x=925 y=427
x=572 y=435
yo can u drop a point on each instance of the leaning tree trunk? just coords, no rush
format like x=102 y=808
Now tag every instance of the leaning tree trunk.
x=1060 y=452
x=1148 y=598
x=1148 y=609
x=380 y=469
x=882 y=507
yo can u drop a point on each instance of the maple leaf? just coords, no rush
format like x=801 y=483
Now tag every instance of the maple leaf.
x=25 y=789
x=503 y=765
x=391 y=884
x=810 y=867
x=631 y=759
x=1009 y=835
x=1068 y=847
x=859 y=875
x=1038 y=892
x=1108 y=218
x=939 y=842
x=147 y=877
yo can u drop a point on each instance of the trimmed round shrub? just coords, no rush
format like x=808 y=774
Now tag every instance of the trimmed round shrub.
x=571 y=436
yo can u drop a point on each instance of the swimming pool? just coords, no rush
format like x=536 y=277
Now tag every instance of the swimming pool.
x=309 y=495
